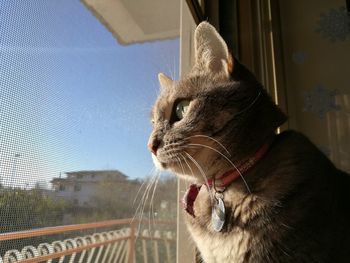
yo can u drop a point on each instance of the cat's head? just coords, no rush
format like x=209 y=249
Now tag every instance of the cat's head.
x=218 y=109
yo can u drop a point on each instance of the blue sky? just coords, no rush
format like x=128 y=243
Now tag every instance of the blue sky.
x=71 y=97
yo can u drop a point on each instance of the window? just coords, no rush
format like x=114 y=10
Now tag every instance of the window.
x=185 y=250
x=77 y=187
x=75 y=97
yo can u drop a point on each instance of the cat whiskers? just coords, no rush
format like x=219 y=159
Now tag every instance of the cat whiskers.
x=226 y=158
x=151 y=208
x=182 y=168
x=211 y=138
x=142 y=185
x=189 y=167
x=140 y=208
x=146 y=183
x=202 y=173
x=179 y=162
x=152 y=184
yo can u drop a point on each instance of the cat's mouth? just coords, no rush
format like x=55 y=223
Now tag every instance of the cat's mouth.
x=164 y=163
x=172 y=156
x=189 y=158
x=183 y=160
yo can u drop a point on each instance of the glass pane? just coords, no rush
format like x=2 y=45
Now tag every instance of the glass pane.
x=185 y=250
x=74 y=111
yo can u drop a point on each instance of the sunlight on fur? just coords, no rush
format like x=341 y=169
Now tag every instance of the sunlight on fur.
x=255 y=196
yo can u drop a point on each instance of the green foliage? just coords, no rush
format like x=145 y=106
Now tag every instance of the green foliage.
x=36 y=208
x=27 y=209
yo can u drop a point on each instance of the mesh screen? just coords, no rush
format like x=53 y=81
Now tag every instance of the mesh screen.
x=74 y=109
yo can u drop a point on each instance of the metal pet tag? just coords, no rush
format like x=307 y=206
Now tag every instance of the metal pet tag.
x=218 y=214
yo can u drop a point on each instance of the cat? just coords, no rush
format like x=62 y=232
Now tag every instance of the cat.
x=255 y=197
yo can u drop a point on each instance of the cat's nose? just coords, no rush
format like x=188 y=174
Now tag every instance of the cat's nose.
x=153 y=146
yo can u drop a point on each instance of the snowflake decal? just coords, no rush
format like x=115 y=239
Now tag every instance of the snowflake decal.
x=335 y=24
x=299 y=57
x=320 y=100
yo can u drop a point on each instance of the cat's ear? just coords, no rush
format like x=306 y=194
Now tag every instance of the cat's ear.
x=164 y=81
x=211 y=52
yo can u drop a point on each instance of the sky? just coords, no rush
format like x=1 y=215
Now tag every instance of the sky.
x=71 y=97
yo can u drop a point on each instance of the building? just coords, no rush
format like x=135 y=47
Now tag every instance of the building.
x=81 y=187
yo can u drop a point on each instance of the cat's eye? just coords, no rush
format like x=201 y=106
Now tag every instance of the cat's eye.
x=181 y=108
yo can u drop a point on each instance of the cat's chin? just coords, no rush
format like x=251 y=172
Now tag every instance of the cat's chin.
x=164 y=166
x=158 y=164
x=171 y=167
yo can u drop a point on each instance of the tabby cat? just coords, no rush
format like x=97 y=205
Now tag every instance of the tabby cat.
x=255 y=196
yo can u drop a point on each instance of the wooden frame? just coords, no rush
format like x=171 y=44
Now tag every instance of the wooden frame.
x=254 y=35
x=260 y=46
x=196 y=10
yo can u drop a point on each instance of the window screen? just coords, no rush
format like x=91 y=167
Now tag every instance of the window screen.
x=74 y=123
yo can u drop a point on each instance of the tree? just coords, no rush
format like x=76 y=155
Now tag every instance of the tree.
x=27 y=209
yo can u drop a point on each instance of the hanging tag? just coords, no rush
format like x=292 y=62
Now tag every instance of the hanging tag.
x=218 y=213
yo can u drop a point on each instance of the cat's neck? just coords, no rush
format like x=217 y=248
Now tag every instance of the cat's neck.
x=224 y=180
x=229 y=168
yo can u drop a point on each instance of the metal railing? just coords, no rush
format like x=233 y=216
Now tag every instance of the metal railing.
x=123 y=242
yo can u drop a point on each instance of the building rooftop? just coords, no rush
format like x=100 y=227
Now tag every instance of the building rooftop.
x=91 y=175
x=96 y=172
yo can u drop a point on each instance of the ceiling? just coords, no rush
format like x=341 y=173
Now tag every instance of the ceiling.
x=137 y=21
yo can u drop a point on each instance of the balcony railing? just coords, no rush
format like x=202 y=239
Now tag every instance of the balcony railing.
x=122 y=242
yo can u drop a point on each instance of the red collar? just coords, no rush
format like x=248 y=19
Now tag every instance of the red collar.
x=226 y=179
